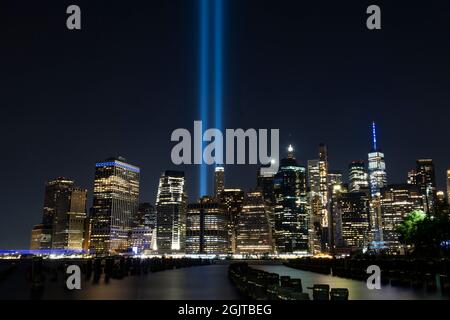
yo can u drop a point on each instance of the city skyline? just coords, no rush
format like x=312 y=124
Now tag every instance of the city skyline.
x=290 y=150
x=129 y=78
x=116 y=199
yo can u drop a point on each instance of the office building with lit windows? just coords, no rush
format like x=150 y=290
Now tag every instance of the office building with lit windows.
x=171 y=203
x=219 y=181
x=397 y=202
x=69 y=221
x=318 y=202
x=143 y=228
x=351 y=212
x=233 y=200
x=264 y=183
x=253 y=230
x=207 y=227
x=115 y=203
x=290 y=210
x=377 y=181
x=357 y=176
x=63 y=218
x=426 y=182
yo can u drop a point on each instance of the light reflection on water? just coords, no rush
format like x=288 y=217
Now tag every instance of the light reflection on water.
x=357 y=289
x=195 y=283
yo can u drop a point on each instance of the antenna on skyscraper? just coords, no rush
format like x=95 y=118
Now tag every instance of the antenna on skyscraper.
x=374 y=136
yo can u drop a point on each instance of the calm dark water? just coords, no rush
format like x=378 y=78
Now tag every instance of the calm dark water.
x=357 y=289
x=195 y=283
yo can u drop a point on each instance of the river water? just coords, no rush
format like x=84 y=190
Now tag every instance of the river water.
x=357 y=289
x=195 y=283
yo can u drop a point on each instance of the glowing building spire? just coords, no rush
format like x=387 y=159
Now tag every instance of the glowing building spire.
x=290 y=151
x=374 y=136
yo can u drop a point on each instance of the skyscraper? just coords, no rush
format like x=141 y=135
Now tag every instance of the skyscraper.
x=219 y=181
x=143 y=228
x=397 y=202
x=264 y=183
x=377 y=166
x=377 y=181
x=207 y=227
x=69 y=219
x=334 y=179
x=171 y=203
x=53 y=191
x=115 y=203
x=351 y=220
x=63 y=217
x=318 y=202
x=254 y=232
x=233 y=200
x=357 y=176
x=290 y=215
x=426 y=181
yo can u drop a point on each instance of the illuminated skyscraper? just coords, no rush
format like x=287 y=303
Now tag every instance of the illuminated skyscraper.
x=357 y=176
x=219 y=181
x=426 y=181
x=318 y=202
x=377 y=167
x=54 y=190
x=63 y=218
x=233 y=200
x=377 y=181
x=115 y=203
x=69 y=219
x=396 y=203
x=144 y=223
x=207 y=228
x=254 y=233
x=265 y=183
x=290 y=215
x=171 y=203
x=351 y=212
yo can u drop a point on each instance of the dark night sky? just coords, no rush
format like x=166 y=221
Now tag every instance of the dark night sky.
x=123 y=83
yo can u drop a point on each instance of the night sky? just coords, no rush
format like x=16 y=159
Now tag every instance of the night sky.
x=122 y=84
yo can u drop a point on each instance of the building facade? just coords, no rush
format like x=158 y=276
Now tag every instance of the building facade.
x=171 y=204
x=115 y=203
x=377 y=181
x=207 y=228
x=290 y=210
x=69 y=221
x=357 y=176
x=233 y=200
x=397 y=202
x=254 y=231
x=351 y=211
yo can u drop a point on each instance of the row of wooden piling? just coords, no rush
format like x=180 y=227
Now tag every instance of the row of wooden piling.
x=261 y=285
x=415 y=273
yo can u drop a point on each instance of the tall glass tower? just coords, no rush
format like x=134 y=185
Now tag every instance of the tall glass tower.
x=377 y=166
x=290 y=214
x=171 y=203
x=377 y=181
x=115 y=203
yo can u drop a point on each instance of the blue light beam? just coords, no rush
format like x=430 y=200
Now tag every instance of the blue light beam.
x=218 y=68
x=203 y=81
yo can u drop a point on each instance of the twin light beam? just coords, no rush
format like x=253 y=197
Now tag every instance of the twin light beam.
x=211 y=68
